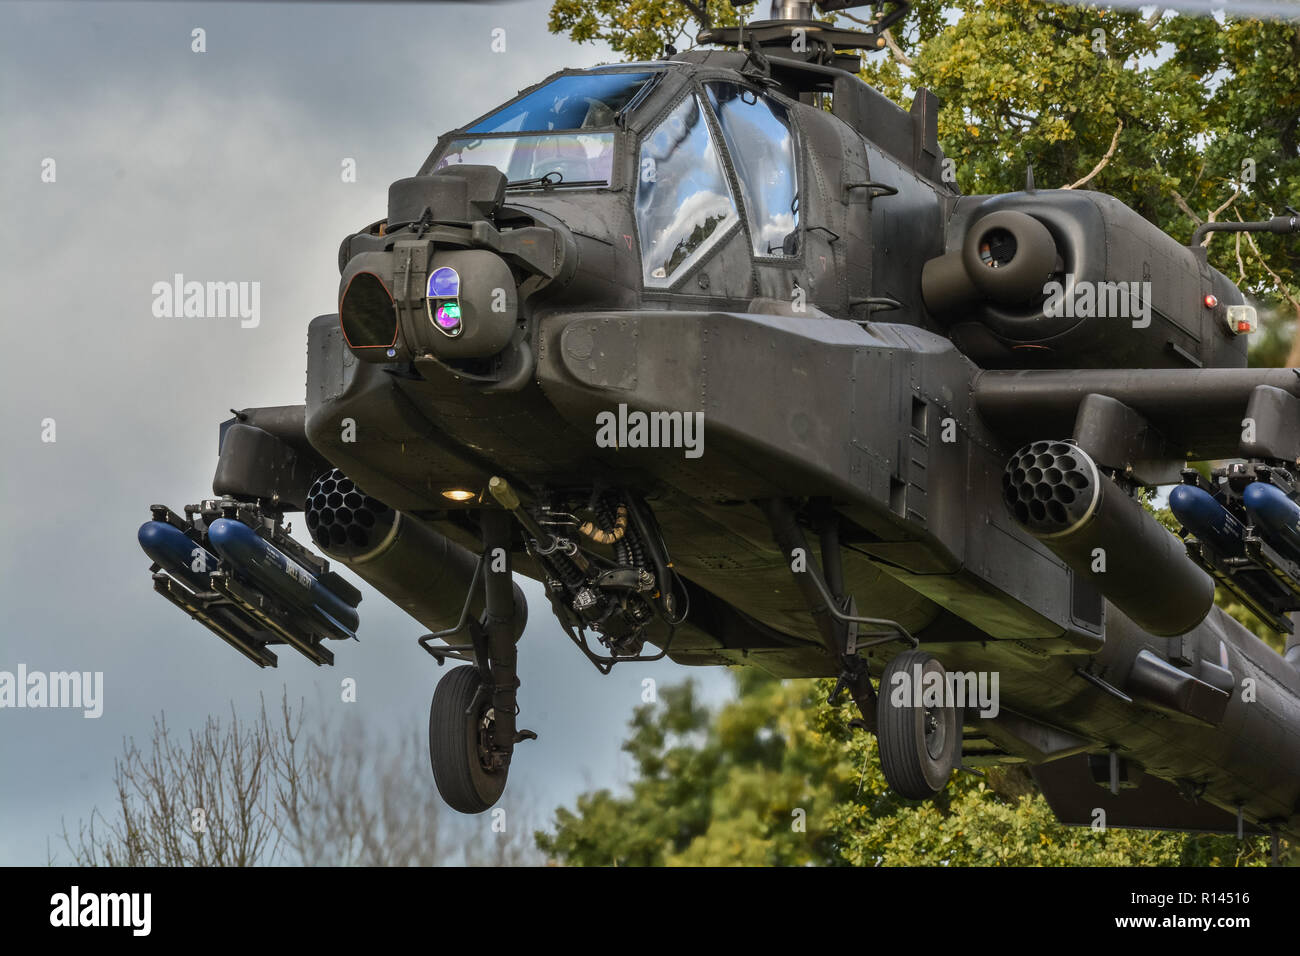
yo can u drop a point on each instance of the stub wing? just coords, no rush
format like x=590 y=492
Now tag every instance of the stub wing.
x=1080 y=797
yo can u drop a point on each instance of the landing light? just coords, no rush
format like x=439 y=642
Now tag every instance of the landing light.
x=459 y=494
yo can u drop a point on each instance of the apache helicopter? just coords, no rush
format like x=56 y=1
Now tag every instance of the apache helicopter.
x=926 y=447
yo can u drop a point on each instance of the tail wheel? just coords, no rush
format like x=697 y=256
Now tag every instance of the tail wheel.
x=459 y=739
x=920 y=746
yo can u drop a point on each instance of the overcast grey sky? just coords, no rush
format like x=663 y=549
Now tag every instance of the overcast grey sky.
x=223 y=165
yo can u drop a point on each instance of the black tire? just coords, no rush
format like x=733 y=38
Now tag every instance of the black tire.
x=919 y=747
x=464 y=783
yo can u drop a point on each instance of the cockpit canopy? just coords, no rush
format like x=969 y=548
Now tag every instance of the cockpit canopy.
x=576 y=101
x=565 y=130
x=724 y=153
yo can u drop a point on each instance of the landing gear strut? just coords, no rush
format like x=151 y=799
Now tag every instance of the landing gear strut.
x=920 y=746
x=472 y=731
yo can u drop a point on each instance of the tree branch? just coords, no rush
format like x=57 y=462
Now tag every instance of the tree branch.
x=1226 y=203
x=700 y=11
x=895 y=51
x=1182 y=204
x=1211 y=217
x=1277 y=280
x=1101 y=164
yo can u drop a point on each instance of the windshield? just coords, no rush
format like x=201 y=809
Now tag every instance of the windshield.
x=563 y=158
x=683 y=202
x=759 y=139
x=578 y=101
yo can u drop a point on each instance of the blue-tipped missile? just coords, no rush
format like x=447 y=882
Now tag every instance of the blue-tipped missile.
x=1212 y=523
x=250 y=553
x=1275 y=515
x=170 y=549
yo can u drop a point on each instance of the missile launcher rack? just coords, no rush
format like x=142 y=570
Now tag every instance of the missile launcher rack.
x=231 y=605
x=1262 y=577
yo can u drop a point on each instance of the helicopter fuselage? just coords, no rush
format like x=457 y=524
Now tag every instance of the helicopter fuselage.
x=745 y=319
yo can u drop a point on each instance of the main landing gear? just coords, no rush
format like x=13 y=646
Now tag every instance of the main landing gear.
x=919 y=737
x=472 y=732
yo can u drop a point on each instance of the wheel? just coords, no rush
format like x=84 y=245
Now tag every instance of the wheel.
x=919 y=746
x=457 y=742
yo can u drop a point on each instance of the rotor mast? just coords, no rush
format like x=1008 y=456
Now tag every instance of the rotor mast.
x=794 y=32
x=791 y=10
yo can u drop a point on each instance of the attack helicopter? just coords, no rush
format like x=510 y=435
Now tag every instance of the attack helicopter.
x=713 y=349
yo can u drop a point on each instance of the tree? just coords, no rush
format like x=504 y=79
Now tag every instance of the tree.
x=639 y=29
x=280 y=789
x=777 y=777
x=1183 y=118
x=206 y=801
x=713 y=790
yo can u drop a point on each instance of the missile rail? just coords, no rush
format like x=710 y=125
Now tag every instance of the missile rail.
x=232 y=598
x=1260 y=576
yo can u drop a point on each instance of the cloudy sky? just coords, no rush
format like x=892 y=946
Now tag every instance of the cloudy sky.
x=222 y=166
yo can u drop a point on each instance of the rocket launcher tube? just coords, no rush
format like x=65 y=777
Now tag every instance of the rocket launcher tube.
x=422 y=571
x=1058 y=495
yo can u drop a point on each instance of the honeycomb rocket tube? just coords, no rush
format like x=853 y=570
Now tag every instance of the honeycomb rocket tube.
x=421 y=571
x=1058 y=495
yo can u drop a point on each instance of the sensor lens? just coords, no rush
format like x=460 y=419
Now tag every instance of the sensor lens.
x=366 y=313
x=448 y=316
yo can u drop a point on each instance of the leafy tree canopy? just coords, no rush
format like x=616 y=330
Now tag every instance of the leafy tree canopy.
x=777 y=777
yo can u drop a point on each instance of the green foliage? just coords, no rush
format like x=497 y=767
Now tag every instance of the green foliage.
x=639 y=29
x=714 y=790
x=777 y=777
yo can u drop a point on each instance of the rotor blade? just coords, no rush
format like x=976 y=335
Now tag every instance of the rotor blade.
x=1260 y=9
